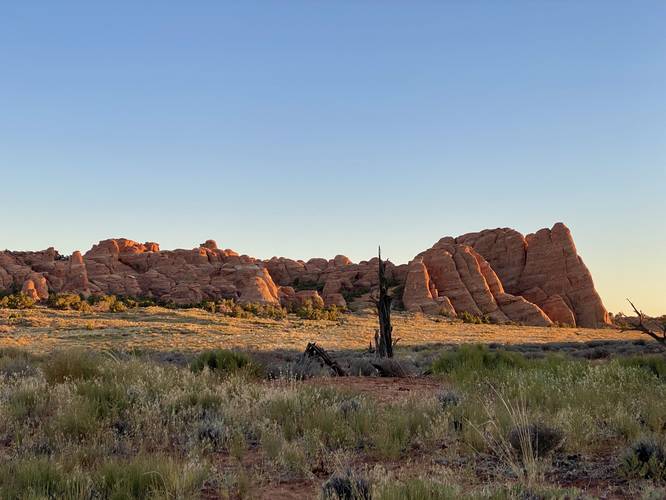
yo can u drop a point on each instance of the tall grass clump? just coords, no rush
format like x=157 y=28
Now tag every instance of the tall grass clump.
x=75 y=364
x=654 y=364
x=225 y=362
x=471 y=359
x=150 y=477
x=589 y=403
x=41 y=478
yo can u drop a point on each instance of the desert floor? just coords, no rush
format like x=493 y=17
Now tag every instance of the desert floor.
x=95 y=403
x=153 y=328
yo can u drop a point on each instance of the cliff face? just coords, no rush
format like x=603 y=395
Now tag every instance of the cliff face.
x=538 y=279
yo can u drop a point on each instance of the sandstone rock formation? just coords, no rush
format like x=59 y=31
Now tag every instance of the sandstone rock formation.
x=460 y=274
x=545 y=269
x=538 y=279
x=125 y=267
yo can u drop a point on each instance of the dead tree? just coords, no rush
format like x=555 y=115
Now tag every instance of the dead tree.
x=658 y=334
x=383 y=339
x=314 y=351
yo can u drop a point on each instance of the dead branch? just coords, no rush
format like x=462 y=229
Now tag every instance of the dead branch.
x=314 y=351
x=659 y=336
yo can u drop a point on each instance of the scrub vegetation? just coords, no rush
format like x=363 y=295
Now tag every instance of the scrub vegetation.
x=484 y=423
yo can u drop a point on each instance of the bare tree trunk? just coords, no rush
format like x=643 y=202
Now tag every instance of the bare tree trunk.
x=385 y=340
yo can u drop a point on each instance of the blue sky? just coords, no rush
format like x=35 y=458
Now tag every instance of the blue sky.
x=314 y=128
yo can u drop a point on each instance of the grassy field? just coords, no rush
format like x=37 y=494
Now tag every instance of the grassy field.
x=154 y=328
x=150 y=404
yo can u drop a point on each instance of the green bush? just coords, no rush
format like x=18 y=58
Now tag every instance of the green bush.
x=310 y=311
x=40 y=478
x=71 y=364
x=417 y=489
x=233 y=309
x=654 y=364
x=67 y=301
x=299 y=285
x=117 y=306
x=645 y=459
x=111 y=303
x=225 y=362
x=472 y=318
x=16 y=362
x=17 y=301
x=150 y=477
x=351 y=295
x=477 y=357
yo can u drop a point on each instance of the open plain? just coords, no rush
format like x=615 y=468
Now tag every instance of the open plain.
x=184 y=403
x=189 y=330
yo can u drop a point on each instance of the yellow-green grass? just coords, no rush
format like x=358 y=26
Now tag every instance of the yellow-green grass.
x=154 y=328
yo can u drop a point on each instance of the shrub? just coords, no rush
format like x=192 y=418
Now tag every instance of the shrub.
x=355 y=293
x=67 y=301
x=309 y=311
x=150 y=477
x=307 y=285
x=28 y=403
x=233 y=309
x=17 y=301
x=417 y=489
x=208 y=305
x=16 y=363
x=40 y=478
x=448 y=399
x=472 y=358
x=542 y=439
x=467 y=317
x=72 y=364
x=654 y=364
x=225 y=362
x=346 y=487
x=105 y=396
x=111 y=303
x=117 y=306
x=646 y=458
x=77 y=420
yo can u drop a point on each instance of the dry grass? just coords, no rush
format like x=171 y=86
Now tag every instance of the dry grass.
x=154 y=328
x=83 y=417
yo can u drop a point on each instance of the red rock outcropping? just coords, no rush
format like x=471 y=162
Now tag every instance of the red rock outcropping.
x=545 y=269
x=538 y=279
x=125 y=267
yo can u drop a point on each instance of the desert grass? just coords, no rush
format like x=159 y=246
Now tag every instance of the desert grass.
x=86 y=424
x=189 y=330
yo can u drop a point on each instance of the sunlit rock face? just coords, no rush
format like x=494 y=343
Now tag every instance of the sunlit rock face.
x=125 y=267
x=537 y=279
x=544 y=269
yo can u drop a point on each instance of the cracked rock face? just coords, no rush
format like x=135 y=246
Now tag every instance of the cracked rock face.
x=537 y=279
x=544 y=269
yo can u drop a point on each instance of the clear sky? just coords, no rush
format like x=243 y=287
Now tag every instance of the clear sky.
x=303 y=128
